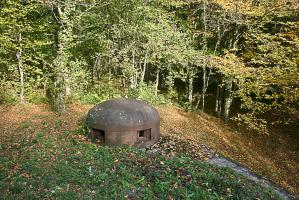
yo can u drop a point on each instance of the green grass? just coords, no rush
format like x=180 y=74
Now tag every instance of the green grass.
x=63 y=167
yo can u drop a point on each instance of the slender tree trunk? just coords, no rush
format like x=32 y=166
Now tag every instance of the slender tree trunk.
x=218 y=106
x=217 y=98
x=95 y=75
x=220 y=34
x=218 y=103
x=144 y=69
x=206 y=80
x=132 y=82
x=203 y=92
x=46 y=87
x=228 y=98
x=143 y=74
x=204 y=69
x=68 y=92
x=190 y=87
x=21 y=69
x=157 y=82
x=190 y=95
x=197 y=103
x=134 y=76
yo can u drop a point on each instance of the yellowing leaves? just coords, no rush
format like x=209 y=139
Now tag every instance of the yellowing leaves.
x=230 y=64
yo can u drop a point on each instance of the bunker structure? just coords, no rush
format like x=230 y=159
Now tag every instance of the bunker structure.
x=124 y=121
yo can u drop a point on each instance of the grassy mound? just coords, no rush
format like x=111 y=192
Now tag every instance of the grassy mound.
x=65 y=167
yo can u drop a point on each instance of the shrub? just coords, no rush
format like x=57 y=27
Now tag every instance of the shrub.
x=36 y=96
x=99 y=93
x=7 y=94
x=147 y=93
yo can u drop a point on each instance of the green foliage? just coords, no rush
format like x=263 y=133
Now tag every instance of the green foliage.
x=92 y=51
x=36 y=96
x=103 y=92
x=99 y=93
x=80 y=77
x=147 y=93
x=22 y=42
x=252 y=122
x=7 y=93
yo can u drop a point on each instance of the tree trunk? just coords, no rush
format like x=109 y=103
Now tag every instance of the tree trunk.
x=134 y=77
x=206 y=79
x=190 y=87
x=144 y=69
x=217 y=99
x=61 y=61
x=157 y=82
x=204 y=68
x=21 y=69
x=228 y=98
x=59 y=89
x=67 y=81
x=218 y=106
x=203 y=92
x=95 y=75
x=190 y=95
x=220 y=34
x=59 y=99
x=197 y=103
x=143 y=74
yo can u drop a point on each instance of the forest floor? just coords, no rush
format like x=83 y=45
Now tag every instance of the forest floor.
x=201 y=136
x=274 y=156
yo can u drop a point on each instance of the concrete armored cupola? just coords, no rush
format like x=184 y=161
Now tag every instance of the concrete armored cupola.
x=124 y=121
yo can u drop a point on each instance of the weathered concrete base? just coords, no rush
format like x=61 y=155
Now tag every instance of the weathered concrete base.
x=132 y=137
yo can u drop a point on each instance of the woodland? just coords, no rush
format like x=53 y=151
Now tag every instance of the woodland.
x=234 y=59
x=223 y=74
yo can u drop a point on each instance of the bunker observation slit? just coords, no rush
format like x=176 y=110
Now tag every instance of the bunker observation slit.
x=97 y=135
x=144 y=135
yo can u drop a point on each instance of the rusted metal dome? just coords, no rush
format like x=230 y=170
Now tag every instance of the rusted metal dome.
x=124 y=121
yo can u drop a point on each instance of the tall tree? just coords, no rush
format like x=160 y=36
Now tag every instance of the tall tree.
x=23 y=40
x=63 y=14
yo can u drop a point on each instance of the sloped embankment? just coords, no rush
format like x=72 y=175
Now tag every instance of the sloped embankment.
x=273 y=156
